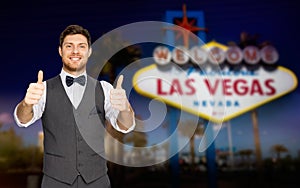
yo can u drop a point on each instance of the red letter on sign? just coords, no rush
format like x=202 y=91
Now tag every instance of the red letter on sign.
x=256 y=88
x=270 y=87
x=226 y=87
x=189 y=85
x=240 y=87
x=159 y=88
x=212 y=90
x=175 y=87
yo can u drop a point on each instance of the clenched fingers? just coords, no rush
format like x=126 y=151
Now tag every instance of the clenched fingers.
x=34 y=93
x=118 y=99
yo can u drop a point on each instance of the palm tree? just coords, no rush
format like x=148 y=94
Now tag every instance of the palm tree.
x=278 y=149
x=185 y=131
x=245 y=155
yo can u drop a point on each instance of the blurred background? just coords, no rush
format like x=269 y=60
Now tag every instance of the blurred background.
x=29 y=33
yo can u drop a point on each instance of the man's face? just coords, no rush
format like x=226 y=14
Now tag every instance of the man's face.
x=75 y=53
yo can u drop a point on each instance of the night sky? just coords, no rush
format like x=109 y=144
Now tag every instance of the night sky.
x=29 y=34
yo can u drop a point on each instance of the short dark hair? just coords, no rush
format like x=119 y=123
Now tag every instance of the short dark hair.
x=73 y=30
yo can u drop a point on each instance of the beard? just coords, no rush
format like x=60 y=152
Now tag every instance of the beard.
x=70 y=68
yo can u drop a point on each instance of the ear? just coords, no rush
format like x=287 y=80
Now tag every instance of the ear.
x=59 y=51
x=90 y=52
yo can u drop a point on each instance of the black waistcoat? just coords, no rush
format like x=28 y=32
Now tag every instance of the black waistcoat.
x=74 y=138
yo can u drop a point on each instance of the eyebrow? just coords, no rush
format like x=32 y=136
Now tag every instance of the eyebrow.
x=65 y=43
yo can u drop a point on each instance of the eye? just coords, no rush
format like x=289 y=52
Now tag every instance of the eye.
x=68 y=46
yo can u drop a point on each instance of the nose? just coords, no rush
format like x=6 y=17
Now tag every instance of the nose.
x=75 y=50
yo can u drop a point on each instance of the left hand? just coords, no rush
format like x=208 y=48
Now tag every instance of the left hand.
x=118 y=98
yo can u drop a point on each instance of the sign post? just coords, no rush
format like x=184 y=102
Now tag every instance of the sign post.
x=256 y=139
x=173 y=114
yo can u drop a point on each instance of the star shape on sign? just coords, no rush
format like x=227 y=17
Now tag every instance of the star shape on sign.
x=185 y=28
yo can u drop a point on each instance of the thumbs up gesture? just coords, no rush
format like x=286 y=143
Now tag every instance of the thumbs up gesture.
x=35 y=91
x=118 y=97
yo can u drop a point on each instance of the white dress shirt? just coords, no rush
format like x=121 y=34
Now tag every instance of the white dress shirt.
x=75 y=94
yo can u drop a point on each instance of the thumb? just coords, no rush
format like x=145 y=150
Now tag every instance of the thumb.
x=119 y=82
x=40 y=77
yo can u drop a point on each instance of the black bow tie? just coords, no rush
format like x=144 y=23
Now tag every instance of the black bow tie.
x=70 y=80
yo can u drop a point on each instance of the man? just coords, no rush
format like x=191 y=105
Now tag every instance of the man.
x=74 y=109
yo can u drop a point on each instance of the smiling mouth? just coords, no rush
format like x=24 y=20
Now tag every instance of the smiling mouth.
x=75 y=58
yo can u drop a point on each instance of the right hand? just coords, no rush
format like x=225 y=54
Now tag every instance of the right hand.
x=35 y=91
